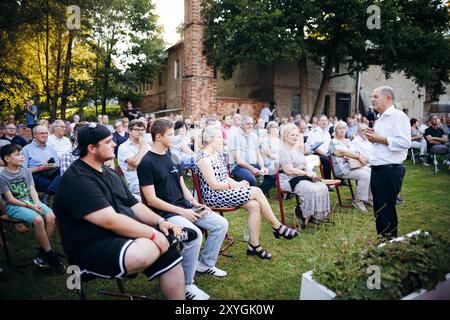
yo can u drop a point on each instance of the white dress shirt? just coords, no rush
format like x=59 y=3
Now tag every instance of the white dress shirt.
x=319 y=135
x=394 y=125
x=61 y=145
x=364 y=147
x=266 y=114
x=126 y=151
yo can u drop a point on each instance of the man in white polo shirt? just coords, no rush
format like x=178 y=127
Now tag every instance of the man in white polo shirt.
x=130 y=155
x=57 y=140
x=391 y=138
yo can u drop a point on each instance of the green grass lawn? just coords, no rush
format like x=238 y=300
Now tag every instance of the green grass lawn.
x=427 y=208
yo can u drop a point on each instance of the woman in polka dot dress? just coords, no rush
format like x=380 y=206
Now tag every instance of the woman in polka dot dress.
x=220 y=191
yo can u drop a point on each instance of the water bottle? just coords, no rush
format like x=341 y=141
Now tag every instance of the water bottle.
x=261 y=177
x=246 y=235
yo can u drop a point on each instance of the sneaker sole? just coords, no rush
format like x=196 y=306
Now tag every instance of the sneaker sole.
x=211 y=273
x=359 y=209
x=42 y=266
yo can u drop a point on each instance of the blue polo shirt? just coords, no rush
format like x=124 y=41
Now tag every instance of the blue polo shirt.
x=35 y=156
x=30 y=117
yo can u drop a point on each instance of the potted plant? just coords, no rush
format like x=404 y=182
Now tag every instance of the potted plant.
x=416 y=266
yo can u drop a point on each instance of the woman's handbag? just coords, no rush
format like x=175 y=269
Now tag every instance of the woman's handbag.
x=354 y=164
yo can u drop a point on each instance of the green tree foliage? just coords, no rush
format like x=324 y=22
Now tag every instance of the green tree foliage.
x=118 y=45
x=413 y=38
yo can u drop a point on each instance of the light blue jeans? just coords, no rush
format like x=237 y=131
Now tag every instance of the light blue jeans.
x=217 y=227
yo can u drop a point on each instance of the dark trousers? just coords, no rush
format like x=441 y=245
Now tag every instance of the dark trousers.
x=47 y=181
x=386 y=183
x=239 y=173
x=326 y=167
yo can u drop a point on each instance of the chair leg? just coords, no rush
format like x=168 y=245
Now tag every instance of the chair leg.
x=351 y=189
x=340 y=199
x=231 y=241
x=5 y=245
x=413 y=158
x=436 y=164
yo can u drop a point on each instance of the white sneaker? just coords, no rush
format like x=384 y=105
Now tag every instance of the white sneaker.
x=359 y=205
x=210 y=270
x=194 y=293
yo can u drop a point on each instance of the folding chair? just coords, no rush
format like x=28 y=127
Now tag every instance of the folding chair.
x=280 y=194
x=339 y=184
x=221 y=211
x=122 y=293
x=413 y=156
x=5 y=219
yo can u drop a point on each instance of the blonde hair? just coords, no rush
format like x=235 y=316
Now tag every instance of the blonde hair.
x=340 y=122
x=209 y=133
x=286 y=130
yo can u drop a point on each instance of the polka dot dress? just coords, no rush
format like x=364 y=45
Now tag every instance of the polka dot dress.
x=223 y=198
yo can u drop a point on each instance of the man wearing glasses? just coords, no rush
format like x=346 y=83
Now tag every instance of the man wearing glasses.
x=57 y=140
x=131 y=153
x=11 y=135
x=44 y=163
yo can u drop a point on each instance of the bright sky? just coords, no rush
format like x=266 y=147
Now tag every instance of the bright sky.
x=171 y=14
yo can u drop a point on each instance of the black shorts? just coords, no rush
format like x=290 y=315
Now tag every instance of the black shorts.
x=106 y=259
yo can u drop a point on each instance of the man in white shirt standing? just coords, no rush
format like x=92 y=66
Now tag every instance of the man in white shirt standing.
x=266 y=113
x=318 y=141
x=391 y=137
x=130 y=154
x=57 y=140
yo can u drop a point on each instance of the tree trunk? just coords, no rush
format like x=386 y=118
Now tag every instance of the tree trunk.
x=57 y=76
x=107 y=67
x=47 y=86
x=303 y=85
x=65 y=86
x=323 y=89
x=427 y=102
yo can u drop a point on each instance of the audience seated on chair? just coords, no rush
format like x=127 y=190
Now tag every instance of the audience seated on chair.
x=22 y=203
x=317 y=143
x=180 y=146
x=437 y=140
x=12 y=136
x=165 y=192
x=270 y=150
x=245 y=157
x=44 y=163
x=104 y=230
x=130 y=155
x=119 y=135
x=296 y=177
x=342 y=154
x=417 y=139
x=361 y=144
x=57 y=140
x=220 y=191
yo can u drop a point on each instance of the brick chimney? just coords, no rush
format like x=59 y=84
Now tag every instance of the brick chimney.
x=199 y=87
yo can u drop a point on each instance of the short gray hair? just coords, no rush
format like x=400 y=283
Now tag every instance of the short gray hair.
x=245 y=119
x=57 y=123
x=38 y=127
x=387 y=91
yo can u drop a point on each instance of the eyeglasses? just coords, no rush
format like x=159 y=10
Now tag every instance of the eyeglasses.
x=11 y=128
x=137 y=129
x=43 y=133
